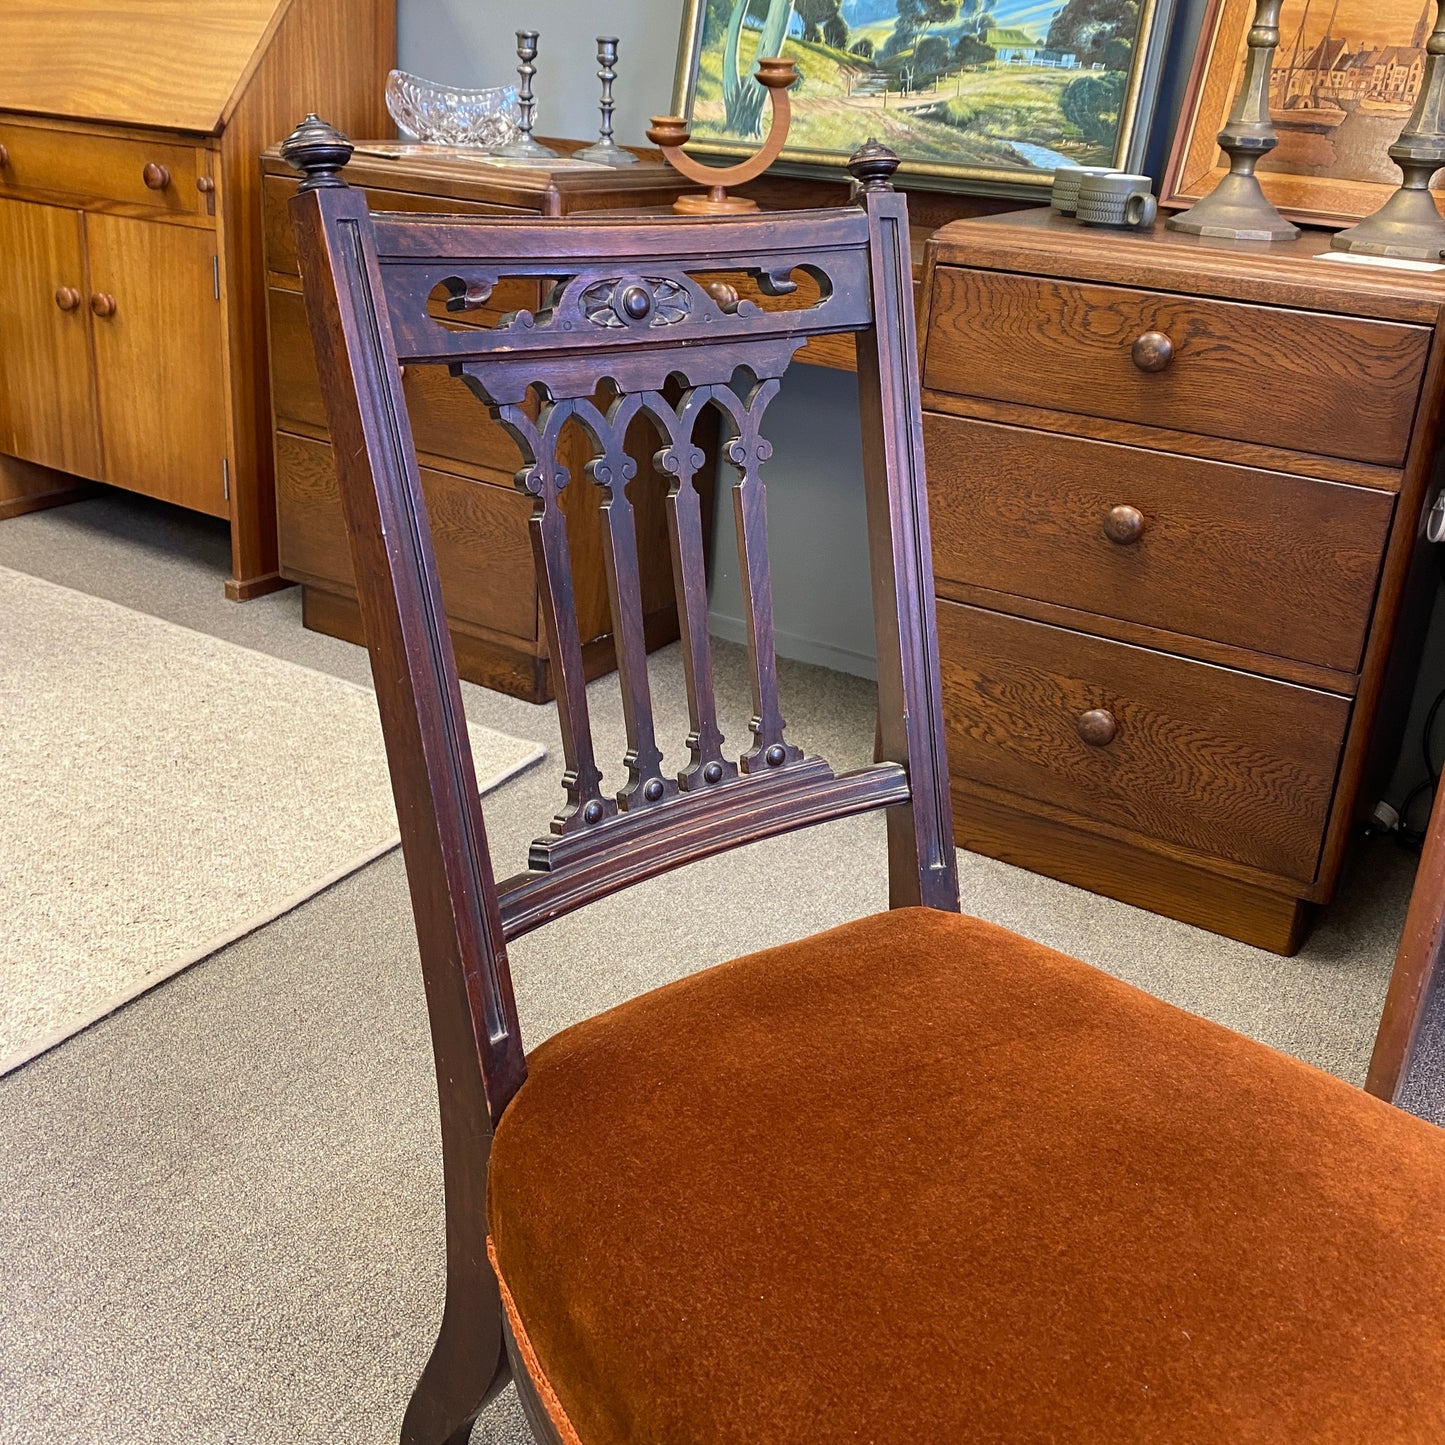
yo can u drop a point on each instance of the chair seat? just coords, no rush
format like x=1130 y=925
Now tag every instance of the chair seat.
x=918 y=1179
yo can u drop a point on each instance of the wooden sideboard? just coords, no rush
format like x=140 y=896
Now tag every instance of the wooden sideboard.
x=1177 y=490
x=132 y=321
x=479 y=518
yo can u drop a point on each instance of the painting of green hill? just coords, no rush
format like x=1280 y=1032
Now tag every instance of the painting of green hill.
x=945 y=83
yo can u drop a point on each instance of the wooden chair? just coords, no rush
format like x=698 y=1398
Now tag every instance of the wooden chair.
x=912 y=1180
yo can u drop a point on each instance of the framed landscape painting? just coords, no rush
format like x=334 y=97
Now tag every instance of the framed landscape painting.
x=975 y=94
x=1345 y=78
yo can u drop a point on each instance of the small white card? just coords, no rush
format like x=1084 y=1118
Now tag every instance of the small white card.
x=1391 y=263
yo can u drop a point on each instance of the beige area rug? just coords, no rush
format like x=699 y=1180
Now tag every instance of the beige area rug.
x=164 y=793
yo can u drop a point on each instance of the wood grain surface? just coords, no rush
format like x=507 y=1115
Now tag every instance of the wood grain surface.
x=1259 y=560
x=101 y=170
x=1219 y=762
x=165 y=63
x=483 y=556
x=1076 y=851
x=47 y=396
x=1334 y=385
x=158 y=361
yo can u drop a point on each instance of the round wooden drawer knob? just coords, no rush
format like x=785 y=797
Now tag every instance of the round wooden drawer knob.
x=1153 y=351
x=205 y=185
x=157 y=178
x=1124 y=525
x=67 y=298
x=1098 y=727
x=102 y=304
x=4 y=157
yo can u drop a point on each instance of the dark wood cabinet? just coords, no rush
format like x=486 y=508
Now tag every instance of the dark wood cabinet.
x=1176 y=495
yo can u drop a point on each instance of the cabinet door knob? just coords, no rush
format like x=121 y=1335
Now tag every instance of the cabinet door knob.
x=67 y=298
x=1153 y=351
x=156 y=177
x=4 y=157
x=1124 y=525
x=1097 y=727
x=102 y=303
x=205 y=185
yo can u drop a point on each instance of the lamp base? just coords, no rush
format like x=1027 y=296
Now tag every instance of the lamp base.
x=1235 y=210
x=1408 y=225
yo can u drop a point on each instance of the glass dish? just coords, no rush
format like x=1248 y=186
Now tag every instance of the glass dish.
x=443 y=115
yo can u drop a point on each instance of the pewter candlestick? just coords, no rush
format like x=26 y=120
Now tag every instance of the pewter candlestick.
x=1409 y=223
x=606 y=150
x=1237 y=209
x=524 y=146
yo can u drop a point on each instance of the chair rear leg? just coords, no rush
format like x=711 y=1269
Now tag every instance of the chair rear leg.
x=467 y=1368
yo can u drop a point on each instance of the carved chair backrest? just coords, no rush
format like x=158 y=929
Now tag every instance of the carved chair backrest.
x=627 y=329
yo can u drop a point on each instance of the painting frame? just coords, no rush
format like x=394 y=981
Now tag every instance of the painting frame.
x=1196 y=164
x=1131 y=141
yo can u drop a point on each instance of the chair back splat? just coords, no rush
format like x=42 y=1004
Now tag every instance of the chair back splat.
x=638 y=320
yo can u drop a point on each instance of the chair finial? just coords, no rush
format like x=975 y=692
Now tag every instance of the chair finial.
x=319 y=151
x=872 y=166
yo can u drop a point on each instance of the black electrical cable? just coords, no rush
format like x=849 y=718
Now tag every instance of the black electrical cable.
x=1416 y=837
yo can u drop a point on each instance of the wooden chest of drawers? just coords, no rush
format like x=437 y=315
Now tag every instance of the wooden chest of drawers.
x=1176 y=491
x=479 y=518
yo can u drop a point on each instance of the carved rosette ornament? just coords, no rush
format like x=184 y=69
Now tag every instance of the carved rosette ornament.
x=644 y=301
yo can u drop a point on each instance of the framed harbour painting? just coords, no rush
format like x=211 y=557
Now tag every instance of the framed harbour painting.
x=1345 y=78
x=972 y=94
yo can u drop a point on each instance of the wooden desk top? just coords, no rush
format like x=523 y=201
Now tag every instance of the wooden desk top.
x=1286 y=273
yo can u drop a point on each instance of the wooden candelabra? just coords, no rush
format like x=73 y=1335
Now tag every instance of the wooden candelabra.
x=669 y=133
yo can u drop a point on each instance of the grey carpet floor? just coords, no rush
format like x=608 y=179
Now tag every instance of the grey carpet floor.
x=219 y=1208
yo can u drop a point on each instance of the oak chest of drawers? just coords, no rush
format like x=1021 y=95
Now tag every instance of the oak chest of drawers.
x=1176 y=491
x=132 y=326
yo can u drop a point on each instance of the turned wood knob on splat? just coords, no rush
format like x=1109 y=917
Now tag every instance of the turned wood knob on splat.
x=102 y=303
x=67 y=298
x=1153 y=351
x=1098 y=727
x=1124 y=525
x=156 y=177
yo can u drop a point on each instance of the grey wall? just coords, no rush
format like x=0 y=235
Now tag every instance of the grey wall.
x=473 y=43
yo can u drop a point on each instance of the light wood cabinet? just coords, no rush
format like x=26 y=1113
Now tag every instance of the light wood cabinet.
x=47 y=404
x=132 y=306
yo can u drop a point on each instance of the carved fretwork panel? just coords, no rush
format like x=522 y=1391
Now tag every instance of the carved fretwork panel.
x=737 y=382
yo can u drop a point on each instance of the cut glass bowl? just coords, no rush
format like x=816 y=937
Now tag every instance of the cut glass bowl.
x=443 y=115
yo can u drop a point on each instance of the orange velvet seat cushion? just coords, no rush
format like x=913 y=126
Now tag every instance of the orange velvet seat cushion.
x=920 y=1180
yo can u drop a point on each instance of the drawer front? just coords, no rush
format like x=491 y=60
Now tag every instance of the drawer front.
x=446 y=419
x=1281 y=565
x=1338 y=386
x=280 y=242
x=101 y=167
x=483 y=551
x=1221 y=763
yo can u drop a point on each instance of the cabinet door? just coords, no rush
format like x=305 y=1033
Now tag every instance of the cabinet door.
x=158 y=359
x=47 y=401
